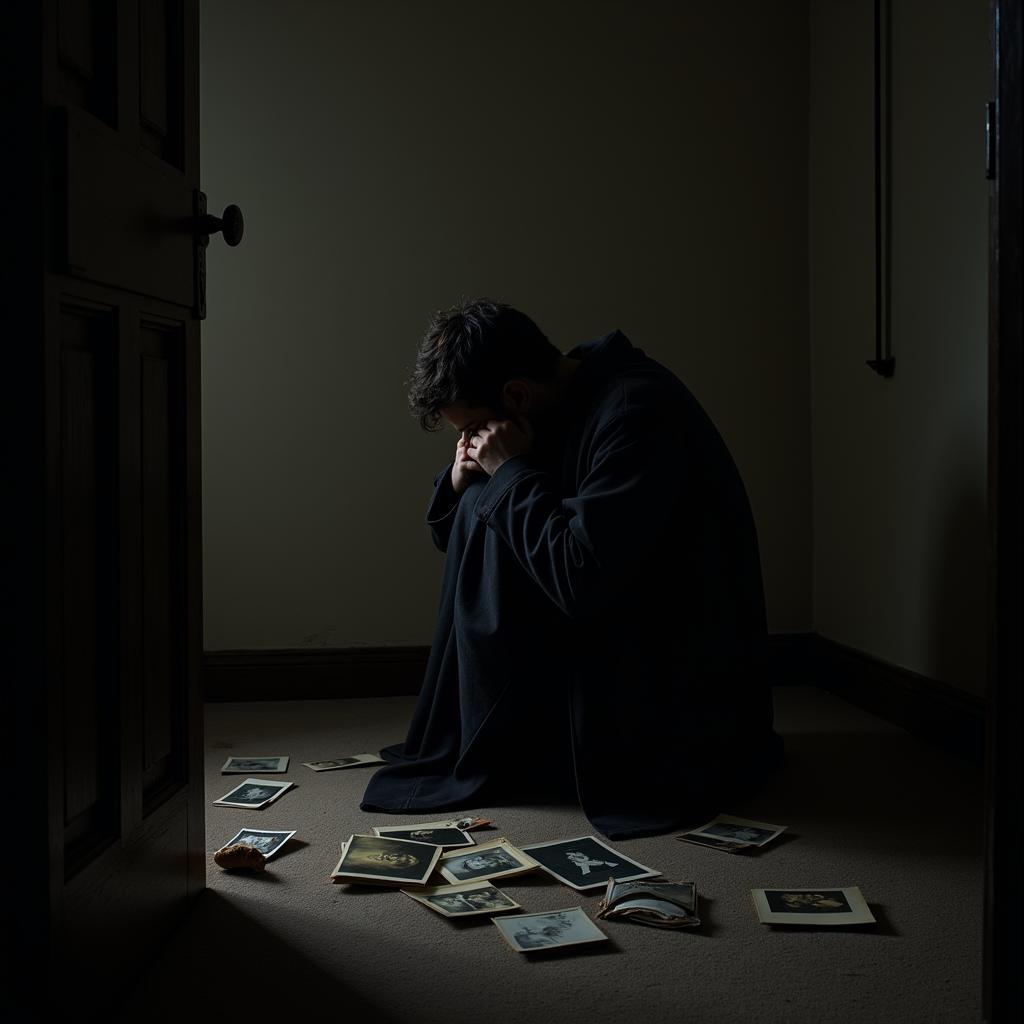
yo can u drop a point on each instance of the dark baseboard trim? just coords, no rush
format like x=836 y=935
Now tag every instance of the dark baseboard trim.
x=330 y=673
x=936 y=712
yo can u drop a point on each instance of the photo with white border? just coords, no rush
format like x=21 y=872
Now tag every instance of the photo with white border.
x=446 y=836
x=465 y=900
x=551 y=929
x=349 y=761
x=827 y=905
x=385 y=861
x=731 y=829
x=245 y=765
x=495 y=859
x=266 y=841
x=586 y=862
x=253 y=794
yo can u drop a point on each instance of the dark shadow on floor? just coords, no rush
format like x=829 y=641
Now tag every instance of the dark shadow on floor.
x=221 y=961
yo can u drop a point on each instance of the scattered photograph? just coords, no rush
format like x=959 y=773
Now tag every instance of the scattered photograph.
x=464 y=900
x=728 y=845
x=467 y=824
x=586 y=862
x=728 y=829
x=244 y=765
x=817 y=906
x=447 y=837
x=496 y=859
x=267 y=842
x=253 y=793
x=343 y=762
x=551 y=929
x=386 y=861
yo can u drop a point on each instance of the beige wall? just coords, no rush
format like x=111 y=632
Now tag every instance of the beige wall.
x=899 y=465
x=599 y=165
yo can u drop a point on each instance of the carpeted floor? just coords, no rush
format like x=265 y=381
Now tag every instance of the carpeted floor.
x=866 y=803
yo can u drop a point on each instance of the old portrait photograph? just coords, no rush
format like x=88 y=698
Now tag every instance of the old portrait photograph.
x=551 y=929
x=741 y=830
x=818 y=906
x=350 y=761
x=386 y=861
x=267 y=842
x=586 y=862
x=447 y=837
x=253 y=794
x=244 y=765
x=463 y=900
x=496 y=859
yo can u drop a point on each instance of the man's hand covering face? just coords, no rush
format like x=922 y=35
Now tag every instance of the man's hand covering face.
x=497 y=441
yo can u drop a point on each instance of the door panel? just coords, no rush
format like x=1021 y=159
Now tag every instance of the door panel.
x=88 y=449
x=128 y=214
x=162 y=569
x=87 y=56
x=119 y=371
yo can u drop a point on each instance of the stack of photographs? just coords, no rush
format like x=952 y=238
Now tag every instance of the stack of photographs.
x=352 y=761
x=496 y=859
x=733 y=834
x=253 y=794
x=552 y=929
x=382 y=861
x=660 y=904
x=465 y=900
x=244 y=765
x=816 y=907
x=446 y=836
x=586 y=862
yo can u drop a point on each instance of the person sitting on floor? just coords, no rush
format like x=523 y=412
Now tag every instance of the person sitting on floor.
x=601 y=627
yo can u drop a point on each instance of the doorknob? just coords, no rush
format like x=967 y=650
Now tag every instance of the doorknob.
x=231 y=223
x=203 y=225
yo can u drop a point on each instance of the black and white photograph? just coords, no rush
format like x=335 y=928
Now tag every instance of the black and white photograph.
x=739 y=830
x=267 y=842
x=352 y=761
x=386 y=861
x=714 y=843
x=253 y=794
x=822 y=905
x=552 y=929
x=447 y=837
x=464 y=900
x=586 y=862
x=496 y=859
x=244 y=765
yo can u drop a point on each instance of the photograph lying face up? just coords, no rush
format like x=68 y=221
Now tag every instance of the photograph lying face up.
x=447 y=837
x=550 y=930
x=463 y=900
x=586 y=862
x=496 y=859
x=386 y=861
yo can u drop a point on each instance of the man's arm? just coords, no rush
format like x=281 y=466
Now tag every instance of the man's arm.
x=441 y=510
x=449 y=486
x=583 y=551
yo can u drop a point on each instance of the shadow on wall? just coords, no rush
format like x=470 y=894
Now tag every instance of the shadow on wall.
x=957 y=597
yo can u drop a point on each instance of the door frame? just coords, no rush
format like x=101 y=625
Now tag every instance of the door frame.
x=1003 y=852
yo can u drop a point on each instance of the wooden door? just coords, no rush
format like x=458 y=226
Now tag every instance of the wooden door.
x=109 y=368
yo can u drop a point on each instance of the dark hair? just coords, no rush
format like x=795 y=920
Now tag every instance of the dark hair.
x=468 y=353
